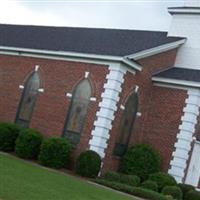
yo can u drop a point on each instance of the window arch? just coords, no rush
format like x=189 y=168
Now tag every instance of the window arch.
x=77 y=111
x=28 y=100
x=126 y=125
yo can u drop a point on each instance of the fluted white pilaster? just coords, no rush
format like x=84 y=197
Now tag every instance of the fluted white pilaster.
x=180 y=156
x=108 y=106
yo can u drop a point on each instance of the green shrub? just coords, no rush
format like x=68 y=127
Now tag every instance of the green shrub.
x=112 y=176
x=131 y=180
x=162 y=179
x=169 y=197
x=185 y=189
x=174 y=191
x=151 y=185
x=8 y=136
x=141 y=160
x=28 y=143
x=55 y=152
x=137 y=191
x=88 y=164
x=192 y=195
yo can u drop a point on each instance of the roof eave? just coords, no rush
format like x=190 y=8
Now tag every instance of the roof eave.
x=71 y=55
x=175 y=82
x=156 y=50
x=183 y=11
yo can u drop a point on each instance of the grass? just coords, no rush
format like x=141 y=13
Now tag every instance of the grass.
x=20 y=180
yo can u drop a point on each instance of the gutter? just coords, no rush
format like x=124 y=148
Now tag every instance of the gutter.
x=176 y=82
x=128 y=60
x=70 y=55
x=183 y=11
x=156 y=50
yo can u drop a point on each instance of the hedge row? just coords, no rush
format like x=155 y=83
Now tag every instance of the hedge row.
x=131 y=180
x=162 y=180
x=173 y=191
x=55 y=152
x=185 y=189
x=150 y=185
x=167 y=184
x=51 y=152
x=137 y=191
x=192 y=195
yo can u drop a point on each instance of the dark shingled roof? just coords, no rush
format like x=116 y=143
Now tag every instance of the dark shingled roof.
x=180 y=74
x=82 y=40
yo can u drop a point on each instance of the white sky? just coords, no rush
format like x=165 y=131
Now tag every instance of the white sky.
x=125 y=14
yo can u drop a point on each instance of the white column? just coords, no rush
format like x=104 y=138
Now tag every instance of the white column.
x=108 y=106
x=193 y=173
x=185 y=136
x=187 y=26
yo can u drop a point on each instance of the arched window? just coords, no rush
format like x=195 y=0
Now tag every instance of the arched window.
x=77 y=111
x=126 y=125
x=28 y=100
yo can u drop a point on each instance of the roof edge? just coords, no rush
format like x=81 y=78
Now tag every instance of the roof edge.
x=176 y=82
x=184 y=10
x=72 y=55
x=157 y=50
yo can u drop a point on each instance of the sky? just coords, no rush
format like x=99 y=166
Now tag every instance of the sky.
x=123 y=14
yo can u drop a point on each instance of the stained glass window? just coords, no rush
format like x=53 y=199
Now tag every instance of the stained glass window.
x=28 y=100
x=126 y=125
x=77 y=112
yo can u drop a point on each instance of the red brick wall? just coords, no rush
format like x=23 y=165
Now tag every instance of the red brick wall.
x=58 y=78
x=156 y=104
x=161 y=110
x=164 y=117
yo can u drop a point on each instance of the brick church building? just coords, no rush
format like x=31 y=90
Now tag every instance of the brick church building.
x=106 y=89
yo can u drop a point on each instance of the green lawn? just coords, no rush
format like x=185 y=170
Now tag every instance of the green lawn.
x=20 y=180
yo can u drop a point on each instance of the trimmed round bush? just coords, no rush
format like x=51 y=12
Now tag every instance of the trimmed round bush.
x=150 y=185
x=55 y=152
x=174 y=191
x=88 y=164
x=28 y=143
x=8 y=136
x=162 y=179
x=185 y=189
x=141 y=160
x=192 y=195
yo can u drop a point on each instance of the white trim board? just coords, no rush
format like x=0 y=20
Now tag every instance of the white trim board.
x=183 y=11
x=175 y=82
x=127 y=60
x=165 y=85
x=105 y=59
x=156 y=50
